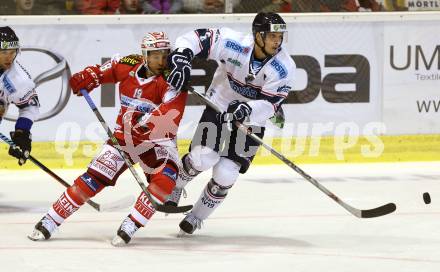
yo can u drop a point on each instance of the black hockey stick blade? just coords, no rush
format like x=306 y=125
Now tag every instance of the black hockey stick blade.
x=162 y=207
x=379 y=211
x=173 y=209
x=376 y=212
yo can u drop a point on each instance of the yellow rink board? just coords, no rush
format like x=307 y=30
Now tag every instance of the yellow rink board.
x=300 y=150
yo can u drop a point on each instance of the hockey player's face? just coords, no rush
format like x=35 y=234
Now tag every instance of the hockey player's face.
x=157 y=61
x=272 y=41
x=7 y=58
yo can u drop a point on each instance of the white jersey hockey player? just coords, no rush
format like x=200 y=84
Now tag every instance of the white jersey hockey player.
x=253 y=78
x=17 y=87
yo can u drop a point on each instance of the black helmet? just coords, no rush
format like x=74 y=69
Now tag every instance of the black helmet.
x=8 y=38
x=268 y=22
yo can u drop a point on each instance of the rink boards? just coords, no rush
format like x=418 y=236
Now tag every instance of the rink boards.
x=301 y=150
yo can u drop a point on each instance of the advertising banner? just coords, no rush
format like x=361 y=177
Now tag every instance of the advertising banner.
x=351 y=78
x=411 y=102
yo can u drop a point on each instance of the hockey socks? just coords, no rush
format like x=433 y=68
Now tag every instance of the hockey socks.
x=139 y=216
x=60 y=210
x=212 y=196
x=85 y=187
x=65 y=206
x=142 y=210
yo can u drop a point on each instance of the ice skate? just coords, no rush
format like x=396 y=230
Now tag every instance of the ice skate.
x=125 y=233
x=189 y=224
x=43 y=229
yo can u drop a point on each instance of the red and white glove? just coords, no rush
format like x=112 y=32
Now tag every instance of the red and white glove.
x=88 y=79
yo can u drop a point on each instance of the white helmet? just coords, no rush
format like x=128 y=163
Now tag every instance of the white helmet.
x=155 y=41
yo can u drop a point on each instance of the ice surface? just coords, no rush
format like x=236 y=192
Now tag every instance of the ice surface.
x=272 y=220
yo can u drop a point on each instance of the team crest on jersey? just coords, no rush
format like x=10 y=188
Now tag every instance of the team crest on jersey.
x=131 y=60
x=236 y=47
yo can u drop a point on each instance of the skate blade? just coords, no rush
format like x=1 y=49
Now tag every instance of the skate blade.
x=118 y=242
x=36 y=235
x=182 y=234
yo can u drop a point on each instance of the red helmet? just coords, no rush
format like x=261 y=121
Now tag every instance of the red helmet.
x=155 y=41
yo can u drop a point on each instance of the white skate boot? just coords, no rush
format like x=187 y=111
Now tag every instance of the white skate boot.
x=125 y=232
x=189 y=224
x=43 y=229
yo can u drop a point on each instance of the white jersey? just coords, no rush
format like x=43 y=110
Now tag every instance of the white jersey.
x=264 y=90
x=17 y=87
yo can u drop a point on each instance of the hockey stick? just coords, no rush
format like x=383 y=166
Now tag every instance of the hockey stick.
x=122 y=203
x=375 y=212
x=159 y=207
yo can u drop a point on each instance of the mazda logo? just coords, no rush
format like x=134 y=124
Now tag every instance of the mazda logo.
x=60 y=70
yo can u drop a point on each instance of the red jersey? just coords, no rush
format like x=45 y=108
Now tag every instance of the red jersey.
x=150 y=111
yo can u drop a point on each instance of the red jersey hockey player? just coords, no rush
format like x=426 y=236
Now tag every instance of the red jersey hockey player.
x=146 y=128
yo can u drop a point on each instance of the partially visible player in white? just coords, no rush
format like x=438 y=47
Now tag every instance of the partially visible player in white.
x=251 y=82
x=17 y=87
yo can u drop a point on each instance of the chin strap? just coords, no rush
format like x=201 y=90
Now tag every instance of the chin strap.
x=264 y=44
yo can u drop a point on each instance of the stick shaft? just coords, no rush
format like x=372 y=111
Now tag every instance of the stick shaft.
x=116 y=143
x=306 y=176
x=95 y=205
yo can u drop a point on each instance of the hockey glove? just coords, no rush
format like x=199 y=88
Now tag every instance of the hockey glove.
x=278 y=119
x=88 y=79
x=236 y=111
x=179 y=62
x=22 y=149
